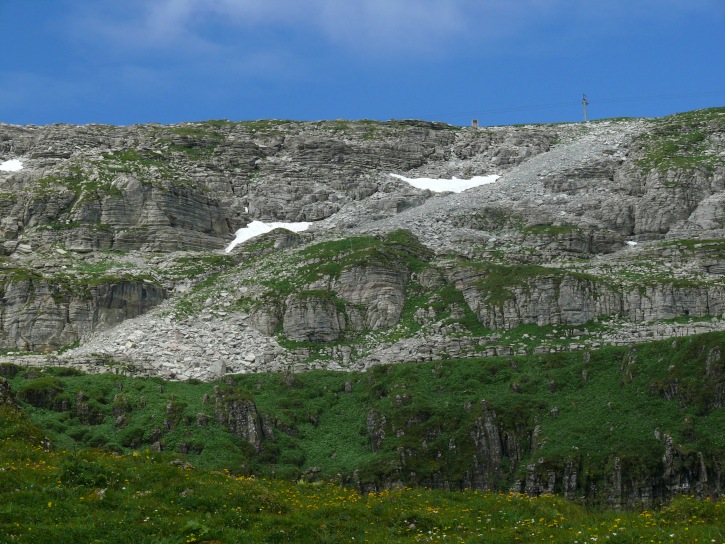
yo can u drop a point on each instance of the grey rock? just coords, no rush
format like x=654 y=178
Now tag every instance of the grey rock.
x=38 y=314
x=313 y=317
x=568 y=198
x=240 y=415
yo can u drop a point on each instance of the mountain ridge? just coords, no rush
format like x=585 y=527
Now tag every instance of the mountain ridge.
x=622 y=218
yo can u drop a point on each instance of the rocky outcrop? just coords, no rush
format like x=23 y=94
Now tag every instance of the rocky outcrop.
x=544 y=299
x=492 y=450
x=555 y=297
x=265 y=317
x=375 y=295
x=356 y=291
x=313 y=316
x=376 y=429
x=498 y=450
x=43 y=314
x=626 y=483
x=361 y=298
x=41 y=392
x=238 y=412
x=569 y=200
x=88 y=410
x=190 y=186
x=6 y=394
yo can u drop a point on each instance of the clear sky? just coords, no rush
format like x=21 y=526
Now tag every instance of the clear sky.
x=499 y=61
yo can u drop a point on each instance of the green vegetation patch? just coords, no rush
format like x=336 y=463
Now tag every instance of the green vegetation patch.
x=682 y=142
x=41 y=392
x=414 y=423
x=83 y=187
x=141 y=157
x=198 y=265
x=91 y=496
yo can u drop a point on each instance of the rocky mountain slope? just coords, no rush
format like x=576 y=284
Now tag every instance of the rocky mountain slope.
x=606 y=232
x=602 y=234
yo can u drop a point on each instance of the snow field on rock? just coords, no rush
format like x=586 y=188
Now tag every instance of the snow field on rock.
x=454 y=185
x=255 y=228
x=13 y=165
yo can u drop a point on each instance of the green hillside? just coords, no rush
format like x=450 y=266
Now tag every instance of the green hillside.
x=82 y=494
x=497 y=423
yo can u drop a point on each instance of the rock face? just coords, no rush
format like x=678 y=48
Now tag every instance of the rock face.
x=553 y=299
x=38 y=314
x=239 y=414
x=376 y=430
x=312 y=316
x=360 y=298
x=6 y=395
x=87 y=410
x=42 y=393
x=680 y=473
x=566 y=192
x=376 y=295
x=190 y=186
x=495 y=449
x=568 y=199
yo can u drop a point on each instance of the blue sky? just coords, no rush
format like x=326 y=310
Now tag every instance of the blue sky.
x=500 y=61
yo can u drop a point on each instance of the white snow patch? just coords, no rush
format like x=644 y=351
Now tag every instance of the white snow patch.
x=454 y=185
x=630 y=243
x=255 y=228
x=13 y=165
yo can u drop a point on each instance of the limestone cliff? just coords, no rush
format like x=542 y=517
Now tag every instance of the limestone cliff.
x=190 y=186
x=608 y=230
x=46 y=313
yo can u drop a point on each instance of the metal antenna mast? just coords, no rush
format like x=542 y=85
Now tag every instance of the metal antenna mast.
x=585 y=103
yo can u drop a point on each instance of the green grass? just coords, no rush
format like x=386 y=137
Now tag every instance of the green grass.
x=681 y=142
x=198 y=265
x=84 y=189
x=88 y=495
x=589 y=409
x=143 y=158
x=155 y=167
x=397 y=249
x=610 y=404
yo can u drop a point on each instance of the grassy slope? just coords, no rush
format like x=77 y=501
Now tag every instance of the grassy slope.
x=621 y=404
x=93 y=496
